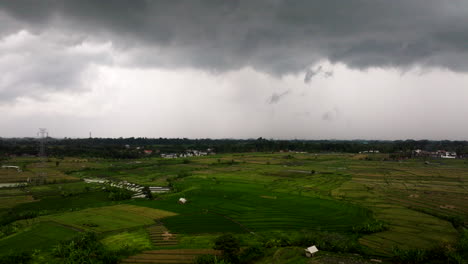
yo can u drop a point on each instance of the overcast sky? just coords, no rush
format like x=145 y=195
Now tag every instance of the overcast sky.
x=330 y=69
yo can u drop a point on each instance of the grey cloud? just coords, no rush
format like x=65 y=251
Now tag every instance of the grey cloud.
x=275 y=97
x=331 y=115
x=276 y=37
x=319 y=71
x=311 y=73
x=328 y=74
x=34 y=66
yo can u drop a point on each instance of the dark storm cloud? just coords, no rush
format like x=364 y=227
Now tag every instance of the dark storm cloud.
x=277 y=37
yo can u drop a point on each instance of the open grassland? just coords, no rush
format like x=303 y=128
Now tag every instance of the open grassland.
x=42 y=236
x=108 y=218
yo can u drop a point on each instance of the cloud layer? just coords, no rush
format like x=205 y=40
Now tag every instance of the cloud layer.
x=255 y=68
x=273 y=36
x=35 y=65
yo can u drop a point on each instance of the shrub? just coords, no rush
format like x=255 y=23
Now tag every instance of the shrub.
x=409 y=256
x=84 y=249
x=210 y=259
x=251 y=254
x=230 y=246
x=7 y=230
x=147 y=192
x=329 y=241
x=462 y=245
x=371 y=227
x=205 y=259
x=118 y=194
x=12 y=216
x=277 y=242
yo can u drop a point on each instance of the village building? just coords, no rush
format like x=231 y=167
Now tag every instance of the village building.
x=435 y=154
x=310 y=251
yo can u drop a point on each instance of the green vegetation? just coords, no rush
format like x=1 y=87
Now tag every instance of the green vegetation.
x=40 y=236
x=108 y=218
x=201 y=223
x=137 y=240
x=273 y=204
x=230 y=246
x=118 y=194
x=84 y=249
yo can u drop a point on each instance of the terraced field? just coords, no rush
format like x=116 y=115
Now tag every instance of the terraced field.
x=170 y=256
x=251 y=195
x=240 y=207
x=412 y=197
x=161 y=237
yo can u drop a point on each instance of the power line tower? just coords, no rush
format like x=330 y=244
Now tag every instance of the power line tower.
x=43 y=135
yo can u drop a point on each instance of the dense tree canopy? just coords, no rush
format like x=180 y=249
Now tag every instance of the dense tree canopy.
x=133 y=147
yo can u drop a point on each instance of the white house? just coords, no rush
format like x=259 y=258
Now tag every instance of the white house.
x=182 y=200
x=448 y=155
x=310 y=251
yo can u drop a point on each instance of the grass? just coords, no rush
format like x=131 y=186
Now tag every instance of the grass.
x=108 y=218
x=41 y=236
x=137 y=240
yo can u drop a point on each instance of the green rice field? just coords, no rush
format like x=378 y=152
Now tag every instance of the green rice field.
x=422 y=204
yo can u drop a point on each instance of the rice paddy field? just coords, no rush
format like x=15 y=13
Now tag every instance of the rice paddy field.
x=107 y=218
x=40 y=236
x=423 y=203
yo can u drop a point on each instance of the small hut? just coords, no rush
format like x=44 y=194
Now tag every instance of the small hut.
x=310 y=251
x=182 y=200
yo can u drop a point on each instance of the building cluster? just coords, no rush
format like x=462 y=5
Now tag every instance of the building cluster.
x=186 y=154
x=141 y=149
x=138 y=189
x=369 y=151
x=435 y=154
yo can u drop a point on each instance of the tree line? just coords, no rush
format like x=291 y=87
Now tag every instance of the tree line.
x=134 y=147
